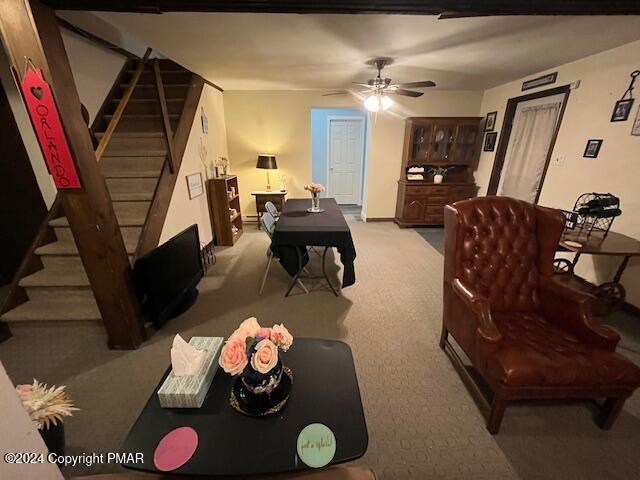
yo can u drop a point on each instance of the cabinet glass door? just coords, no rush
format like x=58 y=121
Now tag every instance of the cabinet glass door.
x=442 y=143
x=465 y=144
x=421 y=139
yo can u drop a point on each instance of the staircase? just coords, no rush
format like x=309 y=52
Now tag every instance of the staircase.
x=131 y=164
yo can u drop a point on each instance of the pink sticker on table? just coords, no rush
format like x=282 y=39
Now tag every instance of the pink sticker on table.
x=175 y=449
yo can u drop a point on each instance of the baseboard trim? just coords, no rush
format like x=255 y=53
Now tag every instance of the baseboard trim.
x=379 y=219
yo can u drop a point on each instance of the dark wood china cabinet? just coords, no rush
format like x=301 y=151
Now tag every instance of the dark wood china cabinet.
x=431 y=143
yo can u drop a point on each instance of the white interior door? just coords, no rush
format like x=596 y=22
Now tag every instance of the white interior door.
x=345 y=155
x=534 y=124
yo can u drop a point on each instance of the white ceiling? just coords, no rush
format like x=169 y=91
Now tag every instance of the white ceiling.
x=244 y=51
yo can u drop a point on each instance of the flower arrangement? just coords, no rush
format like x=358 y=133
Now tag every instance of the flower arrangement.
x=221 y=165
x=439 y=170
x=314 y=188
x=45 y=405
x=254 y=347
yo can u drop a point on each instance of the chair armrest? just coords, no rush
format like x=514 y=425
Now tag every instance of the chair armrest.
x=569 y=309
x=479 y=305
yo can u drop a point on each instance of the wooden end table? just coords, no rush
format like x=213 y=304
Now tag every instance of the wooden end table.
x=275 y=196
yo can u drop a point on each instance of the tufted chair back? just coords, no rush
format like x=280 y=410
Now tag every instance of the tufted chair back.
x=499 y=247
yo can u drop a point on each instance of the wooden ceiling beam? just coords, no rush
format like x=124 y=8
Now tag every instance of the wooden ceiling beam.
x=450 y=8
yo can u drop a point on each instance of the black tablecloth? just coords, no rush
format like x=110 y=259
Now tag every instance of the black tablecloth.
x=299 y=228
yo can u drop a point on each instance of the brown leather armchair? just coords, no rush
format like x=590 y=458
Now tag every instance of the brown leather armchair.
x=528 y=336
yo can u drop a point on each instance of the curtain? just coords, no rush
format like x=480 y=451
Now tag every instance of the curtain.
x=527 y=151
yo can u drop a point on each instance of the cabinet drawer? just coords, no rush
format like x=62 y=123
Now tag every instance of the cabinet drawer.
x=435 y=210
x=437 y=200
x=427 y=190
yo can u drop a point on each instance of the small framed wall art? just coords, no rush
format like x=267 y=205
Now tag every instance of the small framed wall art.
x=623 y=106
x=635 y=130
x=490 y=122
x=490 y=141
x=592 y=149
x=194 y=184
x=621 y=110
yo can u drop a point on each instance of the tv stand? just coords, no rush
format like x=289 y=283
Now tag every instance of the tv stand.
x=185 y=304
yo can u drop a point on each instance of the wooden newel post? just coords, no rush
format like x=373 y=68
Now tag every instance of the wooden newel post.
x=30 y=31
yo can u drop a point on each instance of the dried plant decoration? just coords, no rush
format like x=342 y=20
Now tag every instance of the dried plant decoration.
x=45 y=405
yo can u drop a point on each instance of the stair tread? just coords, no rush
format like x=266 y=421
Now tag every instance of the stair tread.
x=153 y=85
x=132 y=197
x=70 y=276
x=52 y=310
x=66 y=247
x=117 y=173
x=133 y=134
x=142 y=115
x=147 y=100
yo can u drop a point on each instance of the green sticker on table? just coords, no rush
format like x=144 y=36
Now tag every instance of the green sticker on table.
x=316 y=445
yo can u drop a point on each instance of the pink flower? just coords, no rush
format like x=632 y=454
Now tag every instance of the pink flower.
x=249 y=328
x=24 y=389
x=233 y=357
x=265 y=357
x=264 y=333
x=314 y=187
x=281 y=337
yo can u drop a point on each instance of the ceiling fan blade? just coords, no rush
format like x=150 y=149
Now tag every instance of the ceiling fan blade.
x=423 y=84
x=338 y=92
x=362 y=84
x=405 y=93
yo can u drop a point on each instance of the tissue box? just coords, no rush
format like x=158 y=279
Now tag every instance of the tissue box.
x=189 y=391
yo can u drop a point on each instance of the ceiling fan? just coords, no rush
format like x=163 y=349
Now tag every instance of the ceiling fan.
x=378 y=89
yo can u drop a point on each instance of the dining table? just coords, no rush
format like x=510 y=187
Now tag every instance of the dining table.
x=297 y=229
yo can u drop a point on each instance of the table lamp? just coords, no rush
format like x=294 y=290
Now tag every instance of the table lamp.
x=267 y=162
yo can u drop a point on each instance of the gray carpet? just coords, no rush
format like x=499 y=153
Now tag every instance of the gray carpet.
x=422 y=422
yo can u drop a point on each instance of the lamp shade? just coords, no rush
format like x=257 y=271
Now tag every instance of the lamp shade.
x=267 y=162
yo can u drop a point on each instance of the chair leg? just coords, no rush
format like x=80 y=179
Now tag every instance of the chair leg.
x=496 y=413
x=612 y=407
x=443 y=336
x=302 y=286
x=266 y=272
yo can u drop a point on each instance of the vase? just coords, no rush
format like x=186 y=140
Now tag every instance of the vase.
x=438 y=178
x=258 y=394
x=54 y=438
x=315 y=202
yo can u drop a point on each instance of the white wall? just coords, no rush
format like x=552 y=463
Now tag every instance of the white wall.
x=20 y=435
x=603 y=79
x=184 y=212
x=94 y=68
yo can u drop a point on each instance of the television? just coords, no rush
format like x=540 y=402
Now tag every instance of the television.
x=166 y=278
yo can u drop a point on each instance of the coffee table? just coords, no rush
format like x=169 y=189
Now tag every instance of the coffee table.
x=325 y=390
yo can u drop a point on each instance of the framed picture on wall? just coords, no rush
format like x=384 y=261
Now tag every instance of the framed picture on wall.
x=490 y=122
x=621 y=110
x=195 y=186
x=635 y=130
x=592 y=149
x=490 y=141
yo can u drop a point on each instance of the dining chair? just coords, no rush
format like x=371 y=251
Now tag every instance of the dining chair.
x=271 y=208
x=269 y=224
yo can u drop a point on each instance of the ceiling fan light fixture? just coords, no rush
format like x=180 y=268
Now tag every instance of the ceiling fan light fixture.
x=386 y=102
x=372 y=103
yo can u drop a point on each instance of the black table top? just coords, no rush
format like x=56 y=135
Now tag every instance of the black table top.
x=325 y=390
x=295 y=218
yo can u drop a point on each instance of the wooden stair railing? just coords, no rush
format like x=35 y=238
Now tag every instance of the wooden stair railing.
x=166 y=124
x=117 y=115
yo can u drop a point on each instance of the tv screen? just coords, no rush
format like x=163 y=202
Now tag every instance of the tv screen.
x=166 y=277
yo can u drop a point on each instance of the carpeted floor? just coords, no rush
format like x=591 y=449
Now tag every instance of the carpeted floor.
x=422 y=422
